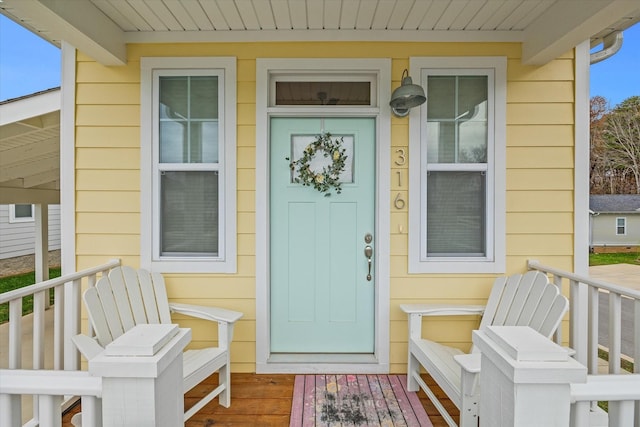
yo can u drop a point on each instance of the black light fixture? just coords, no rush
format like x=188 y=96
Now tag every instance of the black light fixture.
x=407 y=96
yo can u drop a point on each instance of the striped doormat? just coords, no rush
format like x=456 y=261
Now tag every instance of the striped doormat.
x=355 y=400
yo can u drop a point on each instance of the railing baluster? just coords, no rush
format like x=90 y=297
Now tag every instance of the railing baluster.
x=49 y=414
x=72 y=324
x=15 y=333
x=615 y=332
x=592 y=327
x=38 y=329
x=58 y=327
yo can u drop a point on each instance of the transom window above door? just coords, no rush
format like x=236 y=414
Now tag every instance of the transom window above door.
x=323 y=90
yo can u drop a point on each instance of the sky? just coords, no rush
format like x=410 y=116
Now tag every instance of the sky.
x=29 y=64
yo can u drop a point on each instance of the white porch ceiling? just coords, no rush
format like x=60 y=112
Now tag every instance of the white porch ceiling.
x=30 y=149
x=102 y=28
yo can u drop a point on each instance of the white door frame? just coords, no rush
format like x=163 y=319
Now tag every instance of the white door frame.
x=379 y=362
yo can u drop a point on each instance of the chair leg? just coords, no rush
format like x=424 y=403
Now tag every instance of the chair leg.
x=470 y=399
x=413 y=368
x=224 y=377
x=469 y=411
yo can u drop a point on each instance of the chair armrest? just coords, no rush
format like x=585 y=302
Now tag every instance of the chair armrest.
x=469 y=362
x=87 y=346
x=208 y=313
x=442 y=309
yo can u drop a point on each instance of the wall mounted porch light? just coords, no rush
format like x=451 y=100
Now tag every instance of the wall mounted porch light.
x=407 y=96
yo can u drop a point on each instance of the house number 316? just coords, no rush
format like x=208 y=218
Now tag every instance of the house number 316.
x=401 y=160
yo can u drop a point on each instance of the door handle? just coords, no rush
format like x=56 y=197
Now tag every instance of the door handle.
x=368 y=252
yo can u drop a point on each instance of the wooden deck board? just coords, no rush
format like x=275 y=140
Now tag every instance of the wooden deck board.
x=264 y=400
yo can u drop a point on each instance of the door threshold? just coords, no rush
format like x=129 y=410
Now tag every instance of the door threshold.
x=322 y=363
x=322 y=358
x=307 y=363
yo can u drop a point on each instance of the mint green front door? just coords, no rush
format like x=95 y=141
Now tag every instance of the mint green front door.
x=322 y=300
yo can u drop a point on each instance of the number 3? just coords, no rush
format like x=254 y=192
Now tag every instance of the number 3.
x=402 y=157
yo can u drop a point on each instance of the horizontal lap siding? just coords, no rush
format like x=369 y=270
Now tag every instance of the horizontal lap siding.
x=539 y=184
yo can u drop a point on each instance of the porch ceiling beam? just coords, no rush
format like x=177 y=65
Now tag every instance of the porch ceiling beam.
x=49 y=177
x=10 y=195
x=566 y=24
x=79 y=23
x=23 y=170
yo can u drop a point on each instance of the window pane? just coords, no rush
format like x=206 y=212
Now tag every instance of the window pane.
x=204 y=97
x=188 y=131
x=23 y=211
x=457 y=119
x=189 y=213
x=323 y=93
x=441 y=96
x=456 y=214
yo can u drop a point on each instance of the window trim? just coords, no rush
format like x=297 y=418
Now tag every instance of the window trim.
x=623 y=226
x=17 y=219
x=151 y=68
x=495 y=261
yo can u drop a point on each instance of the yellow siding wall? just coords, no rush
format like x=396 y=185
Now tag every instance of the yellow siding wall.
x=539 y=179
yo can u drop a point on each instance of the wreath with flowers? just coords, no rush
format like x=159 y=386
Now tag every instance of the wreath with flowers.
x=328 y=178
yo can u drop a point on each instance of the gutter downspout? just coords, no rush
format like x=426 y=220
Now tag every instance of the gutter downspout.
x=611 y=45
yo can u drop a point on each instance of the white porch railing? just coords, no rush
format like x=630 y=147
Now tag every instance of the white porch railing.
x=583 y=338
x=50 y=387
x=621 y=391
x=539 y=384
x=583 y=330
x=583 y=323
x=130 y=383
x=66 y=322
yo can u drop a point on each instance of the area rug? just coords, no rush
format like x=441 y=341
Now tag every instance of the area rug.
x=355 y=400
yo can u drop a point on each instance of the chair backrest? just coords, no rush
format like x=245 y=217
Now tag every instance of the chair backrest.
x=525 y=300
x=123 y=299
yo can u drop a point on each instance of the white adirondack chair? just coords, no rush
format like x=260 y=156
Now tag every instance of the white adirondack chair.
x=518 y=300
x=129 y=297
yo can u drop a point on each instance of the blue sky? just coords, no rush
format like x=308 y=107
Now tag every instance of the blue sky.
x=29 y=64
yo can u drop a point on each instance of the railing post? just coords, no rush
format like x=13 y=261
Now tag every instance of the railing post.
x=525 y=378
x=142 y=377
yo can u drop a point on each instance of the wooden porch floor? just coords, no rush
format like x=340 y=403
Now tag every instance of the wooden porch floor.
x=265 y=401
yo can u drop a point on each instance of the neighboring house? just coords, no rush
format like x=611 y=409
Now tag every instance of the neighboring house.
x=614 y=223
x=180 y=119
x=17 y=230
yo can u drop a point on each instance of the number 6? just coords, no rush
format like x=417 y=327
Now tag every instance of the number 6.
x=399 y=202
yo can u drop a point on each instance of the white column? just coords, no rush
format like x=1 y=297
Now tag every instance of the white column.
x=525 y=378
x=142 y=377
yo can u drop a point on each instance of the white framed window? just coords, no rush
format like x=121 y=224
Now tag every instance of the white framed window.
x=621 y=226
x=457 y=166
x=21 y=213
x=188 y=164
